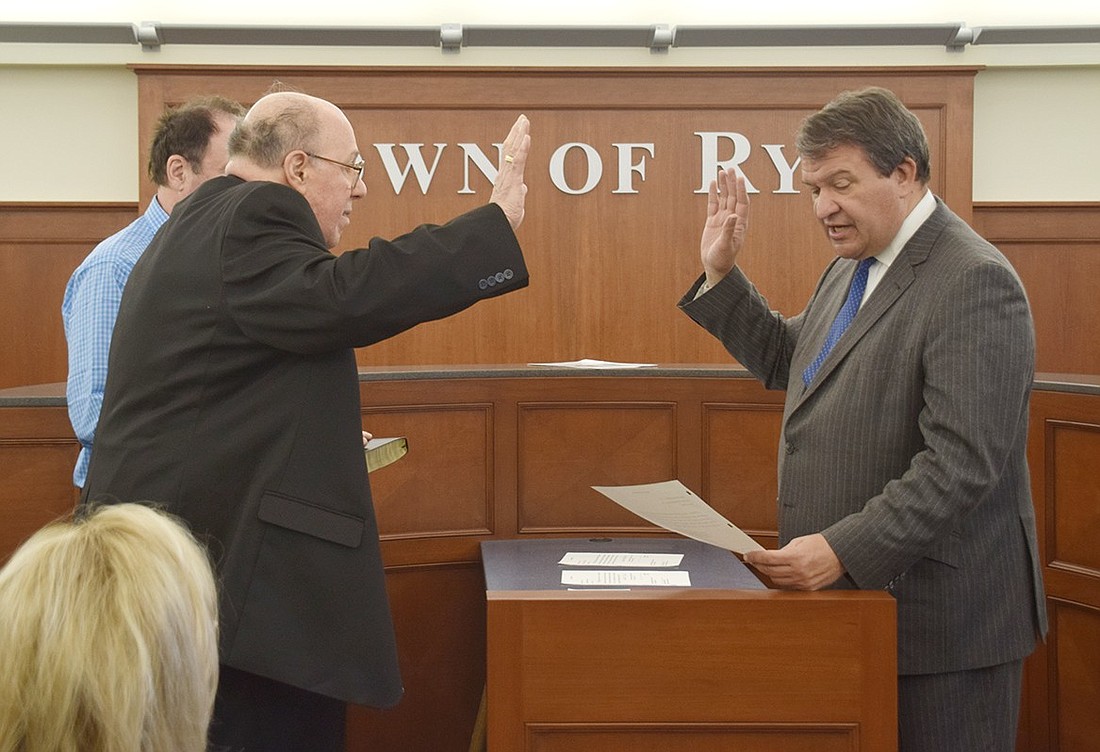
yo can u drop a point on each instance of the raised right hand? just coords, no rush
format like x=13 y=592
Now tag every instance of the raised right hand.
x=509 y=190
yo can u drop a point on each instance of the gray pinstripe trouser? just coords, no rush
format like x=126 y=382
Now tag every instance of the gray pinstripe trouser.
x=962 y=711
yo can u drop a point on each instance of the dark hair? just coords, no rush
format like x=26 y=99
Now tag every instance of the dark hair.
x=186 y=130
x=873 y=119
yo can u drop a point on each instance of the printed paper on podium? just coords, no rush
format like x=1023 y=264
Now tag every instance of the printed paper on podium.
x=674 y=507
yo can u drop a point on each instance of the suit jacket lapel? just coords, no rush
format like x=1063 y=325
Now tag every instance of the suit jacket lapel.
x=892 y=286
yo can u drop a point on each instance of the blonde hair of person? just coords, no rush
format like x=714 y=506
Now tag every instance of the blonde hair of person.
x=108 y=636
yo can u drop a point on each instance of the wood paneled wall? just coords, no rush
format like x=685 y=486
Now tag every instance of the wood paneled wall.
x=496 y=457
x=1055 y=248
x=37 y=454
x=1064 y=443
x=40 y=246
x=606 y=268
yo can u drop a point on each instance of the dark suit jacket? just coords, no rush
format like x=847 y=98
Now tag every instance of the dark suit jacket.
x=233 y=400
x=908 y=450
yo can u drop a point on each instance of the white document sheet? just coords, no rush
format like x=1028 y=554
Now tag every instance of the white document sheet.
x=674 y=507
x=620 y=578
x=608 y=559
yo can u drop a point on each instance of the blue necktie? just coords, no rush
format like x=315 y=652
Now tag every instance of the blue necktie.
x=843 y=318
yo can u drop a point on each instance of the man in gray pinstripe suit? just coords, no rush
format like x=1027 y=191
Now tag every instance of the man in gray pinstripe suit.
x=902 y=458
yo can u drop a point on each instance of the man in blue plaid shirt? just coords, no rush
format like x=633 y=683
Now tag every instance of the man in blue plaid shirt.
x=189 y=147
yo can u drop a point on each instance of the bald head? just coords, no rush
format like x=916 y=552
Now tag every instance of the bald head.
x=276 y=125
x=307 y=144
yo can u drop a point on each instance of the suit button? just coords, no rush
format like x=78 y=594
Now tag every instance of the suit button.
x=499 y=277
x=482 y=284
x=508 y=274
x=491 y=281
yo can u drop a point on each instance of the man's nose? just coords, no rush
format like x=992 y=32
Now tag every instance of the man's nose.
x=824 y=206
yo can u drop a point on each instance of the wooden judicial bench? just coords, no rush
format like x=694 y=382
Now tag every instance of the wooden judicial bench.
x=510 y=453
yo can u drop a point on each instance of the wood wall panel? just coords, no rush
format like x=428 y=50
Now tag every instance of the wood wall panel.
x=1076 y=691
x=37 y=454
x=1055 y=248
x=1073 y=512
x=738 y=441
x=565 y=448
x=452 y=494
x=33 y=471
x=1060 y=680
x=40 y=246
x=440 y=616
x=1058 y=278
x=1063 y=438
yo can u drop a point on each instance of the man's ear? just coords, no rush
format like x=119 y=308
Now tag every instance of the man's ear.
x=905 y=174
x=294 y=167
x=176 y=171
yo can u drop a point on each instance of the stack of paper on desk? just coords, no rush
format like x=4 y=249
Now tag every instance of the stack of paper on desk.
x=674 y=507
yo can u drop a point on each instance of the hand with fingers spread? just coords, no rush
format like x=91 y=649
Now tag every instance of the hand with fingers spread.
x=509 y=190
x=726 y=225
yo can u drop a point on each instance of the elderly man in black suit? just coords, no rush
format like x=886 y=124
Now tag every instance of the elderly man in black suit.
x=233 y=400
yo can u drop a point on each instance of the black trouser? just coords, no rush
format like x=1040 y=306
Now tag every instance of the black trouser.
x=254 y=714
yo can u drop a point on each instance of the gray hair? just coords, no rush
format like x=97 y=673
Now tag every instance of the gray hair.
x=266 y=137
x=873 y=119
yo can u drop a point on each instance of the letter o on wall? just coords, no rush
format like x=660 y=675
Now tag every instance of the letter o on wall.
x=557 y=168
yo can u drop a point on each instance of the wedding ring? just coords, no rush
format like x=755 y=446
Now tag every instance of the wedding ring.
x=509 y=158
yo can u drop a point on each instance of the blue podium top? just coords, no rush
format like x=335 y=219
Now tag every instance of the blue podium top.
x=532 y=564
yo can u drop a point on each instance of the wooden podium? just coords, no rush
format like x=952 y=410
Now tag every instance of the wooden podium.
x=697 y=669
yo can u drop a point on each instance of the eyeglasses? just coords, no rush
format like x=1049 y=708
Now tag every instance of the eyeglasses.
x=357 y=168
